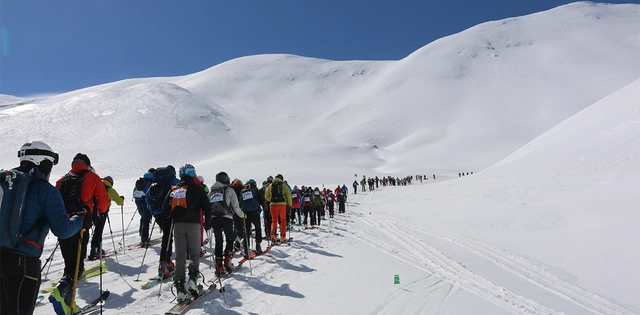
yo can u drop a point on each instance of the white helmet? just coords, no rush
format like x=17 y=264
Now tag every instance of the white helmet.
x=36 y=152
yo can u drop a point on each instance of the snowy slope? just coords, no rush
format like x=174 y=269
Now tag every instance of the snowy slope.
x=545 y=106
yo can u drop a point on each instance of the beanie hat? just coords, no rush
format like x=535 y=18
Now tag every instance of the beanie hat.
x=82 y=158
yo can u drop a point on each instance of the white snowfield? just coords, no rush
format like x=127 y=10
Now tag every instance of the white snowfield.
x=544 y=109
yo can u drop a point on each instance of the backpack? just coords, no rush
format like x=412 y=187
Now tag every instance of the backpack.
x=13 y=192
x=294 y=195
x=71 y=190
x=218 y=200
x=307 y=201
x=317 y=198
x=179 y=207
x=141 y=183
x=159 y=188
x=249 y=202
x=276 y=192
x=330 y=198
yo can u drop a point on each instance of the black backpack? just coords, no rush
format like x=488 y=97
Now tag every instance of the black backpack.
x=219 y=204
x=277 y=194
x=160 y=188
x=71 y=190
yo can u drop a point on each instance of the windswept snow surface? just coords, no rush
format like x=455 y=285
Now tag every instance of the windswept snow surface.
x=543 y=108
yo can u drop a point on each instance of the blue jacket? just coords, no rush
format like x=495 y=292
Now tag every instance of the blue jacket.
x=44 y=201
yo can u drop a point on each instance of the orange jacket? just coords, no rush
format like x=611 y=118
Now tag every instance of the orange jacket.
x=93 y=194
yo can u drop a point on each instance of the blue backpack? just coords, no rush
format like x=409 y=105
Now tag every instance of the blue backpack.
x=249 y=201
x=14 y=185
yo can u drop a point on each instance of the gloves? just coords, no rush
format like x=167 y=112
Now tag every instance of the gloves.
x=207 y=225
x=122 y=197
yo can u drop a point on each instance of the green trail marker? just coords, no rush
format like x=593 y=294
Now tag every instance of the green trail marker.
x=396 y=279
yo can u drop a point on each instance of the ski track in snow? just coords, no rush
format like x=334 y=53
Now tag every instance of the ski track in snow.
x=423 y=256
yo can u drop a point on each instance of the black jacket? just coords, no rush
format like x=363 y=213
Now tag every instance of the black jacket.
x=196 y=199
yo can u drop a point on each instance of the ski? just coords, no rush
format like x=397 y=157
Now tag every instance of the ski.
x=39 y=299
x=105 y=255
x=88 y=273
x=152 y=242
x=95 y=303
x=183 y=307
x=154 y=281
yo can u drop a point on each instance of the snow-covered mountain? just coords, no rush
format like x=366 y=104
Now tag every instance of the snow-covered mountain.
x=481 y=93
x=543 y=108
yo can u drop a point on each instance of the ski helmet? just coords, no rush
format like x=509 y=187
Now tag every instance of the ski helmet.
x=223 y=178
x=36 y=152
x=187 y=170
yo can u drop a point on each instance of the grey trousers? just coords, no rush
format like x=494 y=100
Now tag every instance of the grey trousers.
x=186 y=237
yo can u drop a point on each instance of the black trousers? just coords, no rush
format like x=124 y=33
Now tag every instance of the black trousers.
x=309 y=211
x=253 y=218
x=69 y=250
x=19 y=283
x=98 y=229
x=222 y=225
x=166 y=250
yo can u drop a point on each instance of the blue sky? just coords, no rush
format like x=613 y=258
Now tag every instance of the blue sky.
x=58 y=46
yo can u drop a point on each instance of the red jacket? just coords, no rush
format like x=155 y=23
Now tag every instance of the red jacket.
x=92 y=189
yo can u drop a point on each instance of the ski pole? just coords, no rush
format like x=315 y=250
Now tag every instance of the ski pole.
x=132 y=217
x=168 y=253
x=48 y=260
x=114 y=243
x=122 y=217
x=246 y=242
x=75 y=275
x=100 y=249
x=211 y=246
x=146 y=247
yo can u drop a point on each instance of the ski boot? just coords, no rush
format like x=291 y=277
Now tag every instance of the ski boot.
x=219 y=268
x=61 y=297
x=192 y=285
x=181 y=293
x=228 y=266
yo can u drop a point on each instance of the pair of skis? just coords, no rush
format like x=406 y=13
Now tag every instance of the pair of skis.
x=90 y=272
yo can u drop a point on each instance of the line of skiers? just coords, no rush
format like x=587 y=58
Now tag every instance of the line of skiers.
x=184 y=208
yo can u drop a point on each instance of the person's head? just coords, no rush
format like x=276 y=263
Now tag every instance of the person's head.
x=201 y=179
x=251 y=183
x=269 y=179
x=236 y=182
x=280 y=176
x=82 y=158
x=223 y=178
x=38 y=155
x=187 y=170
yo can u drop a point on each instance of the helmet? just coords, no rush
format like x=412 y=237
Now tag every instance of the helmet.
x=187 y=170
x=36 y=152
x=251 y=182
x=223 y=178
x=236 y=182
x=269 y=179
x=280 y=176
x=201 y=179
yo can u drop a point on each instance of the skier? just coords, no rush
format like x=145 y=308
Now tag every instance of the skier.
x=92 y=198
x=101 y=218
x=141 y=205
x=224 y=204
x=279 y=197
x=43 y=210
x=252 y=202
x=183 y=205
x=355 y=186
